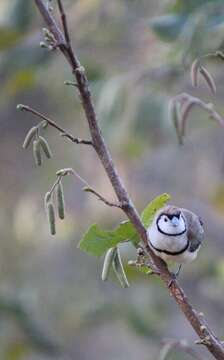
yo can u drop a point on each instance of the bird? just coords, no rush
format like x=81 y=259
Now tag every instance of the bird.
x=176 y=234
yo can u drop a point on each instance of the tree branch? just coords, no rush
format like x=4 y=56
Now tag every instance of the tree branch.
x=54 y=125
x=87 y=187
x=64 y=22
x=214 y=345
x=101 y=198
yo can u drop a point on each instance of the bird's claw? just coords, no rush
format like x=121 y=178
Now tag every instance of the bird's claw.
x=174 y=276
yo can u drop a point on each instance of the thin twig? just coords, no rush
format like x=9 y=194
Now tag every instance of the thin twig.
x=55 y=184
x=64 y=22
x=169 y=344
x=54 y=125
x=100 y=197
x=215 y=346
x=87 y=187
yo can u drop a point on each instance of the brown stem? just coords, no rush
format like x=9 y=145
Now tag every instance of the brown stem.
x=64 y=22
x=54 y=125
x=214 y=345
x=102 y=198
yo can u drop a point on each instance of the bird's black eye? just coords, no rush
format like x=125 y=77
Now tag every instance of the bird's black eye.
x=165 y=219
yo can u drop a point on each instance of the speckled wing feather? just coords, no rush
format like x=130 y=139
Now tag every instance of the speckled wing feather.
x=195 y=230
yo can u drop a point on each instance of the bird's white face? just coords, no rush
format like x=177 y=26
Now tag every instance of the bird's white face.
x=171 y=224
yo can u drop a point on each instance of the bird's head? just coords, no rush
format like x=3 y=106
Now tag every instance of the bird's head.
x=170 y=221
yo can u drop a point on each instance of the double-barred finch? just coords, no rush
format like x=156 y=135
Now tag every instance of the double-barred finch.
x=176 y=234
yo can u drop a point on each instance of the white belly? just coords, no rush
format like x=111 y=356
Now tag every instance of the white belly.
x=172 y=244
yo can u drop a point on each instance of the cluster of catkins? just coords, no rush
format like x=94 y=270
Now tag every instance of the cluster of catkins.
x=40 y=145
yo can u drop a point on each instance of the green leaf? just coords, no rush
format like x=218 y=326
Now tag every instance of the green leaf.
x=125 y=230
x=97 y=241
x=150 y=210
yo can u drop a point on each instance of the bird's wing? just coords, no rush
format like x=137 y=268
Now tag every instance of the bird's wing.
x=195 y=231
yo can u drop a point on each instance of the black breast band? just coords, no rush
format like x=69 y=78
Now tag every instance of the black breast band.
x=170 y=252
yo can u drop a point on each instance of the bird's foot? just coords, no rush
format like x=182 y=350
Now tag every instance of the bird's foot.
x=174 y=276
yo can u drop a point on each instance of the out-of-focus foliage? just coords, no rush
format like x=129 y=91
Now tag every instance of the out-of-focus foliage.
x=133 y=74
x=17 y=48
x=197 y=26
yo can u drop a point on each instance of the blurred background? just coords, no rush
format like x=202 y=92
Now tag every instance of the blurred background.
x=137 y=55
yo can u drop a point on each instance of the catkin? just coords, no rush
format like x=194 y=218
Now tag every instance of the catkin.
x=194 y=72
x=45 y=146
x=29 y=137
x=108 y=260
x=51 y=218
x=37 y=153
x=186 y=108
x=60 y=200
x=209 y=79
x=174 y=115
x=47 y=198
x=119 y=270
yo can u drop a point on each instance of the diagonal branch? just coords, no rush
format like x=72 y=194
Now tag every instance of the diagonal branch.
x=51 y=23
x=54 y=125
x=64 y=22
x=102 y=198
x=213 y=345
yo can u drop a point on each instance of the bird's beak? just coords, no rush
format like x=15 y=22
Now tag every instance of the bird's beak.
x=175 y=221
